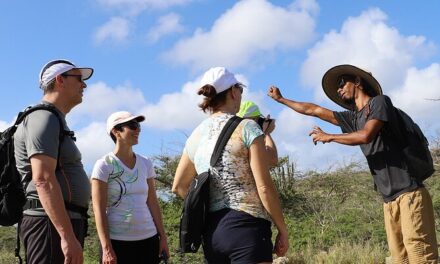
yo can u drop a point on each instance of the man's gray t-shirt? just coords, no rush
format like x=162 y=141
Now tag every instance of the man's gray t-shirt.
x=384 y=154
x=39 y=134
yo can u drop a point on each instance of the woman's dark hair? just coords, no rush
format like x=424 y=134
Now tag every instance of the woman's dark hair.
x=112 y=135
x=213 y=100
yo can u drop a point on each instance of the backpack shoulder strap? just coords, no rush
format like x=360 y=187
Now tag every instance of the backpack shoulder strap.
x=50 y=108
x=31 y=109
x=226 y=133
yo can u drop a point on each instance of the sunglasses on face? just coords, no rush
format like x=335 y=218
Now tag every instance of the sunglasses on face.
x=77 y=76
x=343 y=80
x=239 y=87
x=133 y=125
x=341 y=83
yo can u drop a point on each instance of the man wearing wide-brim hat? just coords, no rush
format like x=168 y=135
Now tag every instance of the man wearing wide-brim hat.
x=370 y=121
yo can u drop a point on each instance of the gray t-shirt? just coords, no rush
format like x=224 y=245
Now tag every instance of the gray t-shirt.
x=39 y=134
x=384 y=154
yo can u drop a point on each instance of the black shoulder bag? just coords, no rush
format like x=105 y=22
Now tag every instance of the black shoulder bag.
x=196 y=203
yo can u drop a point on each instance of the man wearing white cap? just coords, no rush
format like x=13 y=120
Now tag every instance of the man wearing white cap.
x=57 y=187
x=373 y=123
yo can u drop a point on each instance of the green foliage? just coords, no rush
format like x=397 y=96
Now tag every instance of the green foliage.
x=345 y=253
x=7 y=244
x=332 y=217
x=165 y=167
x=171 y=214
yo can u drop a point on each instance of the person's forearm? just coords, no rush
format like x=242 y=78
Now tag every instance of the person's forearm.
x=153 y=205
x=50 y=196
x=102 y=226
x=99 y=203
x=310 y=109
x=270 y=201
x=300 y=107
x=351 y=139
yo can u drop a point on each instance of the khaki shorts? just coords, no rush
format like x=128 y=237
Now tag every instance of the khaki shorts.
x=410 y=227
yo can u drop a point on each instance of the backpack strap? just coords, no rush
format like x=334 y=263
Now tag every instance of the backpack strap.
x=63 y=132
x=52 y=109
x=226 y=133
x=21 y=116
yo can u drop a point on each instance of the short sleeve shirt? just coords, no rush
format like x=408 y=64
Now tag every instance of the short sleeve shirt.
x=384 y=155
x=232 y=183
x=129 y=218
x=39 y=134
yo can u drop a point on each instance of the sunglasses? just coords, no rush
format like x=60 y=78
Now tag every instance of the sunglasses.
x=343 y=80
x=78 y=76
x=239 y=87
x=341 y=83
x=133 y=125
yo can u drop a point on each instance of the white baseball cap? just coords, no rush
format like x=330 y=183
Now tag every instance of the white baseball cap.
x=220 y=78
x=121 y=117
x=57 y=67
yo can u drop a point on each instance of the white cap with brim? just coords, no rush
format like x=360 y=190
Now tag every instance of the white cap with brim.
x=220 y=78
x=57 y=67
x=331 y=78
x=121 y=117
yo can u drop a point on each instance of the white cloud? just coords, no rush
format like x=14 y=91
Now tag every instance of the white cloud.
x=93 y=142
x=414 y=95
x=135 y=7
x=116 y=30
x=176 y=110
x=100 y=101
x=368 y=42
x=165 y=25
x=4 y=125
x=180 y=110
x=311 y=6
x=250 y=30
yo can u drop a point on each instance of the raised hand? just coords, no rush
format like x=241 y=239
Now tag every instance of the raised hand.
x=275 y=93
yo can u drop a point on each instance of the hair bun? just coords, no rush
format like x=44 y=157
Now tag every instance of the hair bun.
x=207 y=91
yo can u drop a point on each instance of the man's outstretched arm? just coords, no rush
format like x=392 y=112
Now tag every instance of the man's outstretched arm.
x=302 y=107
x=362 y=136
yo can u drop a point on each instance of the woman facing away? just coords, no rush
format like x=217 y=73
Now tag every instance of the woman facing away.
x=127 y=214
x=243 y=198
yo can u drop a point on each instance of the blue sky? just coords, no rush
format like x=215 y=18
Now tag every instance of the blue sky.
x=149 y=56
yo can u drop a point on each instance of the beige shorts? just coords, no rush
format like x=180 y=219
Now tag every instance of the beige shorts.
x=410 y=227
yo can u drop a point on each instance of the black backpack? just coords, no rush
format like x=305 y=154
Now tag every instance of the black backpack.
x=415 y=147
x=12 y=192
x=196 y=202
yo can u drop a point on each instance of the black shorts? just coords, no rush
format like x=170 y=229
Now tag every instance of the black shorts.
x=142 y=251
x=237 y=237
x=42 y=242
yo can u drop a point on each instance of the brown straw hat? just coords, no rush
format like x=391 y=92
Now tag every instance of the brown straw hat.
x=331 y=77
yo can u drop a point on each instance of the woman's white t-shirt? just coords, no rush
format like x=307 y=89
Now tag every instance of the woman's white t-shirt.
x=128 y=215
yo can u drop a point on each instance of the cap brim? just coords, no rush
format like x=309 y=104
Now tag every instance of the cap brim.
x=138 y=118
x=86 y=73
x=330 y=79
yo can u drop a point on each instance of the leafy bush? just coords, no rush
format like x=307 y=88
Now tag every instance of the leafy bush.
x=332 y=217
